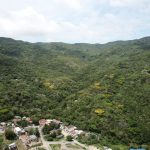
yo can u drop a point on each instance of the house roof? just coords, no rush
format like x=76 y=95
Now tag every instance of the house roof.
x=57 y=121
x=24 y=138
x=24 y=118
x=48 y=121
x=33 y=137
x=28 y=119
x=12 y=145
x=17 y=129
x=71 y=127
x=3 y=123
x=17 y=117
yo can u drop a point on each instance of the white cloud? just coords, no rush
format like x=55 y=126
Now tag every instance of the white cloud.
x=73 y=4
x=75 y=20
x=26 y=22
x=129 y=3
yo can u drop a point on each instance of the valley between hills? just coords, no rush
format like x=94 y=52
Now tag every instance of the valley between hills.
x=99 y=88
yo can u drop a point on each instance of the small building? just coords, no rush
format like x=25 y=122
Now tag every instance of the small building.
x=24 y=118
x=62 y=126
x=3 y=124
x=75 y=133
x=70 y=128
x=48 y=121
x=29 y=120
x=56 y=121
x=78 y=132
x=17 y=117
x=23 y=131
x=15 y=120
x=9 y=124
x=24 y=138
x=2 y=130
x=17 y=130
x=12 y=146
x=33 y=138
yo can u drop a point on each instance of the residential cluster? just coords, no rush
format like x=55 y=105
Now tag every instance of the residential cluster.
x=66 y=129
x=28 y=134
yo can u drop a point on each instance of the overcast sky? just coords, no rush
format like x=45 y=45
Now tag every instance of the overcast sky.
x=71 y=21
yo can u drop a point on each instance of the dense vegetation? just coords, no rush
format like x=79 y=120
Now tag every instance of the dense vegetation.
x=10 y=135
x=103 y=88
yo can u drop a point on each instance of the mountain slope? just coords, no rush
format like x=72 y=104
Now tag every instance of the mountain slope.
x=103 y=88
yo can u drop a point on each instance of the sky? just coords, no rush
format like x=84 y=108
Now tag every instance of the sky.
x=74 y=21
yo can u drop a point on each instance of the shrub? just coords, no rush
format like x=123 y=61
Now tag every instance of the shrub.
x=10 y=135
x=69 y=138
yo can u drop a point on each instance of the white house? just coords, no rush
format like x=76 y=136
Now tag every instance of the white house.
x=17 y=130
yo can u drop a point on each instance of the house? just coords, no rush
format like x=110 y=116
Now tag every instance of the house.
x=9 y=124
x=3 y=124
x=33 y=138
x=70 y=128
x=48 y=121
x=62 y=126
x=42 y=122
x=78 y=132
x=29 y=120
x=24 y=138
x=24 y=118
x=75 y=133
x=17 y=117
x=15 y=120
x=12 y=146
x=56 y=121
x=2 y=129
x=17 y=130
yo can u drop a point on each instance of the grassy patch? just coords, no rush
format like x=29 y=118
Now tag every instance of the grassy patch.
x=1 y=141
x=55 y=146
x=119 y=147
x=74 y=146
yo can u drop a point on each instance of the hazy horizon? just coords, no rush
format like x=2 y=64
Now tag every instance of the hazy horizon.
x=75 y=21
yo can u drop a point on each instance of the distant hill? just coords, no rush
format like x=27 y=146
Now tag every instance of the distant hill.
x=102 y=88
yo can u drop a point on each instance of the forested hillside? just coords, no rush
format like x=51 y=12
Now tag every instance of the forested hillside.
x=103 y=88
